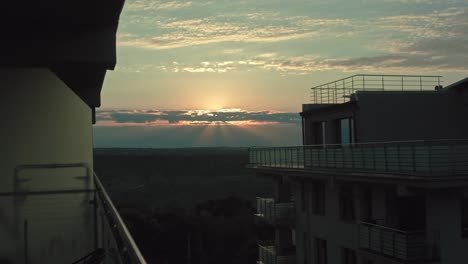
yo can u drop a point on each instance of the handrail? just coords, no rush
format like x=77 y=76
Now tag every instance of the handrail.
x=340 y=91
x=128 y=248
x=420 y=157
x=399 y=244
x=391 y=229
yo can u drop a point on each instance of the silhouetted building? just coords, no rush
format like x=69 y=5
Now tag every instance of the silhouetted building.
x=53 y=208
x=382 y=176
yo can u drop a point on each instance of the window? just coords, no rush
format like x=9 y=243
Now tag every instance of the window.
x=346 y=201
x=320 y=133
x=345 y=131
x=320 y=251
x=348 y=256
x=318 y=198
x=464 y=215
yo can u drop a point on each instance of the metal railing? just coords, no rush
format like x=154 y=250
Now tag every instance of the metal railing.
x=273 y=211
x=267 y=255
x=340 y=91
x=116 y=239
x=68 y=210
x=398 y=244
x=419 y=158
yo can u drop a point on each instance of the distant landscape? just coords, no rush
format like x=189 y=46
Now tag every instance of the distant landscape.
x=172 y=198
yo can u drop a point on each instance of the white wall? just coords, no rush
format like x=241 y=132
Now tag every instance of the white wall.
x=43 y=122
x=443 y=210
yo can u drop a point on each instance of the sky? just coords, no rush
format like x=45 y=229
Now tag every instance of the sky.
x=235 y=73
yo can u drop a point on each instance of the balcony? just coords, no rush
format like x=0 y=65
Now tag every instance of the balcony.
x=55 y=214
x=267 y=255
x=404 y=246
x=340 y=91
x=418 y=159
x=275 y=213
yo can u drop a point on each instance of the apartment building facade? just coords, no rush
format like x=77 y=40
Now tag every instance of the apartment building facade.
x=382 y=176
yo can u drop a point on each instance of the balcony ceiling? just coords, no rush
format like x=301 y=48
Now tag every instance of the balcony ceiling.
x=75 y=39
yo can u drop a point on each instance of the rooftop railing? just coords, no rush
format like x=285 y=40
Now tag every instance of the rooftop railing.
x=340 y=91
x=419 y=158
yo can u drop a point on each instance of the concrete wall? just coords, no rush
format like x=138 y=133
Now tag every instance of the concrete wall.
x=397 y=116
x=43 y=122
x=338 y=233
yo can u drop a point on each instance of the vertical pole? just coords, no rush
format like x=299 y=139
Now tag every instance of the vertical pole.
x=26 y=257
x=383 y=84
x=385 y=157
x=335 y=97
x=373 y=156
x=429 y=147
x=363 y=83
x=344 y=89
x=413 y=153
x=420 y=83
x=402 y=83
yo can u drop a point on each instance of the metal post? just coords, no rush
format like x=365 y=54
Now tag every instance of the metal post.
x=398 y=158
x=385 y=157
x=402 y=83
x=344 y=89
x=363 y=83
x=383 y=84
x=420 y=83
x=373 y=156
x=26 y=249
x=334 y=97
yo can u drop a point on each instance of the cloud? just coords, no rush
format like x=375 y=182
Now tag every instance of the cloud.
x=153 y=5
x=193 y=117
x=243 y=28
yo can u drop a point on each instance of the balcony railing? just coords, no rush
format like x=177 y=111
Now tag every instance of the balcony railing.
x=340 y=91
x=274 y=212
x=406 y=246
x=267 y=255
x=120 y=246
x=55 y=214
x=419 y=158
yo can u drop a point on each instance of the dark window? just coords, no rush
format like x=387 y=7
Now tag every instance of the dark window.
x=366 y=205
x=348 y=256
x=464 y=215
x=319 y=133
x=318 y=198
x=347 y=203
x=320 y=251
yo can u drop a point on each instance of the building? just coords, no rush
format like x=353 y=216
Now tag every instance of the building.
x=53 y=208
x=382 y=176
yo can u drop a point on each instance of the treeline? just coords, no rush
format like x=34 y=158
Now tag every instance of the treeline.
x=215 y=231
